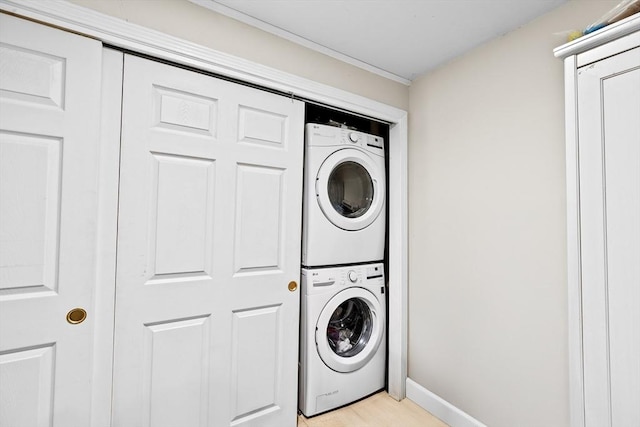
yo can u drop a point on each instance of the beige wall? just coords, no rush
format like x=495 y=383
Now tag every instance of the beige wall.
x=191 y=22
x=487 y=273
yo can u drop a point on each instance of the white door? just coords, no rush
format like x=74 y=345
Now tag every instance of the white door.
x=208 y=242
x=49 y=123
x=609 y=152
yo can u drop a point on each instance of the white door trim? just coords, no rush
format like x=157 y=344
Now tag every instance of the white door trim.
x=135 y=38
x=576 y=384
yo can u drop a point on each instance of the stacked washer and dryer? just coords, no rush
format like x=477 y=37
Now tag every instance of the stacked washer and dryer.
x=343 y=300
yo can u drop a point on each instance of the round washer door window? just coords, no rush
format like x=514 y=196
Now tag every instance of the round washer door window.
x=349 y=330
x=350 y=189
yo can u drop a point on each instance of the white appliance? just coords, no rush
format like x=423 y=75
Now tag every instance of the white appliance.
x=344 y=197
x=342 y=336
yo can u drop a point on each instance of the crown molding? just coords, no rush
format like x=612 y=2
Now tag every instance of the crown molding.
x=597 y=38
x=294 y=38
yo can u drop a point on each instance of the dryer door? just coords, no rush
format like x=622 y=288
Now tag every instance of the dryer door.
x=350 y=189
x=349 y=329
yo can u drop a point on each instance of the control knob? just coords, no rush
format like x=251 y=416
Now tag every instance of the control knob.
x=354 y=137
x=353 y=277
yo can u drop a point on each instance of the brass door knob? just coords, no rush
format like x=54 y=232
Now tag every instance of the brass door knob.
x=76 y=315
x=292 y=286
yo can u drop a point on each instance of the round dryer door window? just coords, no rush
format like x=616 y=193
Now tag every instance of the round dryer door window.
x=349 y=330
x=350 y=189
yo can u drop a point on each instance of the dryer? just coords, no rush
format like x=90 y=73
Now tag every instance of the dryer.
x=344 y=197
x=342 y=336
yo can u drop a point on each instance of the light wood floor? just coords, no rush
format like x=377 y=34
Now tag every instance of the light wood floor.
x=379 y=410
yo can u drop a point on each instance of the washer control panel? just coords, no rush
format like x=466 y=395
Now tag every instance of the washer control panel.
x=316 y=279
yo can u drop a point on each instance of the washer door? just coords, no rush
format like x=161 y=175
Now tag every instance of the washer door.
x=349 y=330
x=350 y=189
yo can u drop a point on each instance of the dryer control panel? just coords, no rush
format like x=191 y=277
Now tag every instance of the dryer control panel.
x=327 y=136
x=351 y=137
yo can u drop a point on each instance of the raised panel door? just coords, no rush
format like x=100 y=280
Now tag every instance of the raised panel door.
x=49 y=143
x=208 y=239
x=609 y=170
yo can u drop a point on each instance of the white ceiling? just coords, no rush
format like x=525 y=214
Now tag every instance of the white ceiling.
x=399 y=39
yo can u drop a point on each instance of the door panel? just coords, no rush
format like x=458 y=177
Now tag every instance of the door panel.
x=256 y=385
x=210 y=215
x=176 y=364
x=31 y=168
x=27 y=389
x=262 y=127
x=609 y=107
x=33 y=75
x=258 y=231
x=183 y=188
x=50 y=115
x=622 y=164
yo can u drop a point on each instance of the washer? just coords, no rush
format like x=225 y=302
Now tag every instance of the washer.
x=344 y=203
x=342 y=336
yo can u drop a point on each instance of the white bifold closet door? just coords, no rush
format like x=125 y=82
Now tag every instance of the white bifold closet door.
x=206 y=329
x=49 y=144
x=609 y=162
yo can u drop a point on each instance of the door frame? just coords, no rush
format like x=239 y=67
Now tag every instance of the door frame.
x=583 y=51
x=118 y=33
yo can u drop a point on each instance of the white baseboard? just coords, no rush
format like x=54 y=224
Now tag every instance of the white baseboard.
x=439 y=407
